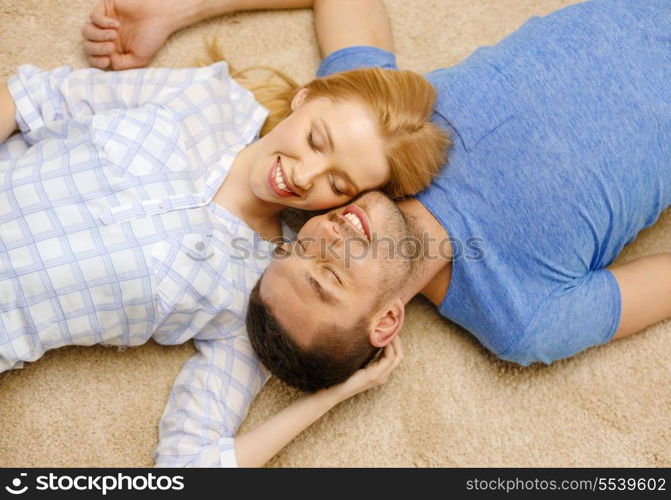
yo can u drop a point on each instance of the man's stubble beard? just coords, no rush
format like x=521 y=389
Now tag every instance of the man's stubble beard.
x=396 y=272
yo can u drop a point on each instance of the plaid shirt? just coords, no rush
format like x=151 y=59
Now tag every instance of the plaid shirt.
x=108 y=234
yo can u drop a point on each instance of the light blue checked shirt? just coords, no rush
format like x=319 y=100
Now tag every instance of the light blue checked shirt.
x=108 y=235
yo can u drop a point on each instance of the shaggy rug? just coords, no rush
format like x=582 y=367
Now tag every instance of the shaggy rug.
x=449 y=404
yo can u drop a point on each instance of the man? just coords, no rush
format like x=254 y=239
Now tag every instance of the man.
x=520 y=143
x=561 y=156
x=213 y=391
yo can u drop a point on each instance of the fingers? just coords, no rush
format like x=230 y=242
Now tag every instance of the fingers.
x=100 y=62
x=98 y=49
x=395 y=355
x=375 y=374
x=126 y=61
x=104 y=55
x=117 y=61
x=390 y=359
x=398 y=347
x=386 y=359
x=93 y=33
x=99 y=36
x=99 y=18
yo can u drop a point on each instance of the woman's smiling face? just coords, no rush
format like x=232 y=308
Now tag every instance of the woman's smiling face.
x=322 y=155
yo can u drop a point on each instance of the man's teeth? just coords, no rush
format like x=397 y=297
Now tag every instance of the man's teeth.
x=354 y=220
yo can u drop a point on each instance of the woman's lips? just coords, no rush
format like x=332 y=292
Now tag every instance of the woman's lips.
x=277 y=180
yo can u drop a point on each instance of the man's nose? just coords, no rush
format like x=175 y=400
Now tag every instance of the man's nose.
x=304 y=174
x=330 y=230
x=317 y=245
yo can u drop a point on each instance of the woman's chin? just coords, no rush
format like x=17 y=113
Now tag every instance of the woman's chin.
x=265 y=195
x=288 y=202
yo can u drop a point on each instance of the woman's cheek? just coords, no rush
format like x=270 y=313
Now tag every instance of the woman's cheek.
x=321 y=202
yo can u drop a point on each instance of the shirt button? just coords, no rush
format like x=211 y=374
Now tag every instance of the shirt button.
x=161 y=206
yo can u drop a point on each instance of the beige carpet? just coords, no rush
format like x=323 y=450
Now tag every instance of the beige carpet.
x=449 y=404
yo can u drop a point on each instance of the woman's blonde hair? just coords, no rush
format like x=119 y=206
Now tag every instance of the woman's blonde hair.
x=400 y=101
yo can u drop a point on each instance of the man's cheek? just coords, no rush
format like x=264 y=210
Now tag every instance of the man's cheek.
x=307 y=231
x=355 y=255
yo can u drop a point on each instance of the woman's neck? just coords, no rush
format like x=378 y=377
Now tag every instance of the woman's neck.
x=236 y=196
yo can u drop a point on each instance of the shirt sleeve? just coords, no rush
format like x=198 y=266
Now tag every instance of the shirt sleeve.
x=209 y=400
x=573 y=318
x=13 y=148
x=359 y=56
x=46 y=97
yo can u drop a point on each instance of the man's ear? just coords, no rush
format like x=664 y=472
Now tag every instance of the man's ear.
x=299 y=98
x=387 y=324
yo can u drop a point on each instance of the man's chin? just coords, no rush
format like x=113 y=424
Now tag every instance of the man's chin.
x=373 y=198
x=382 y=212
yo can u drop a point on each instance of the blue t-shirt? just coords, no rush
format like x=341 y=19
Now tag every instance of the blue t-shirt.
x=562 y=154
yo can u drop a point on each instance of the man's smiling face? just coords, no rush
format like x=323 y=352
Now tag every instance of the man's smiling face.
x=342 y=267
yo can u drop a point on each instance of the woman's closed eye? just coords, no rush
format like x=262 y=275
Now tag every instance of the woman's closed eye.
x=311 y=142
x=334 y=185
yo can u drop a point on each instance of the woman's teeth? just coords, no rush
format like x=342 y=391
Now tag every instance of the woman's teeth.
x=355 y=220
x=279 y=180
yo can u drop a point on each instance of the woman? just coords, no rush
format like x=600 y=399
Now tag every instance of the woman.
x=127 y=195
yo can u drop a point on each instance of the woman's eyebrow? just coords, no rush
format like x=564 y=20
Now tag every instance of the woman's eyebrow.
x=349 y=179
x=332 y=146
x=328 y=133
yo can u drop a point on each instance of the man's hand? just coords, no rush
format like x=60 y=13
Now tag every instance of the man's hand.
x=127 y=34
x=376 y=373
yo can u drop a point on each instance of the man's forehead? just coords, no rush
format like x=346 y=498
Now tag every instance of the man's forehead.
x=283 y=293
x=274 y=279
x=290 y=306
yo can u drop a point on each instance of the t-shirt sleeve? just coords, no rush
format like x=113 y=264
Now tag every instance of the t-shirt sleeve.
x=359 y=56
x=573 y=318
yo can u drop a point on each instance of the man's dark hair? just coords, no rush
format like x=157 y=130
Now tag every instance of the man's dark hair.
x=333 y=357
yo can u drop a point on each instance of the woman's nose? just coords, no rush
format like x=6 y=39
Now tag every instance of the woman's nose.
x=305 y=174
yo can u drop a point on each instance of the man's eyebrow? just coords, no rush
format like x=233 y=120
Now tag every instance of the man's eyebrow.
x=324 y=294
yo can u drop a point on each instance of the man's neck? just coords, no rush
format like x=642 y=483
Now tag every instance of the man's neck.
x=432 y=276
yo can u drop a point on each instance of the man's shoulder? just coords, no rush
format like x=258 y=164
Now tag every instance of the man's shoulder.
x=356 y=57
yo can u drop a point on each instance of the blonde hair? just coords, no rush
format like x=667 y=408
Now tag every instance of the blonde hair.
x=400 y=101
